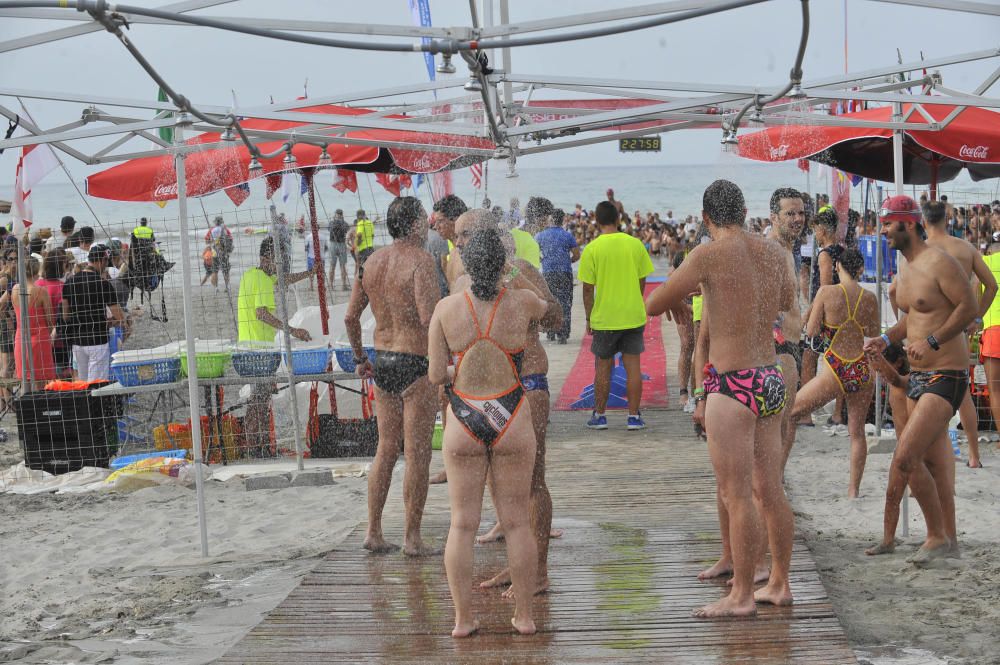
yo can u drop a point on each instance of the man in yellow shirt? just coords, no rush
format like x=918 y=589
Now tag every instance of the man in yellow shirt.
x=257 y=323
x=613 y=270
x=363 y=240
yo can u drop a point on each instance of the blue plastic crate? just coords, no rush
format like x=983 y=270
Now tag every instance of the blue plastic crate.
x=256 y=363
x=345 y=357
x=146 y=372
x=310 y=361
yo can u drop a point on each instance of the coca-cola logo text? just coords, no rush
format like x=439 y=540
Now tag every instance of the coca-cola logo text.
x=165 y=191
x=974 y=152
x=779 y=152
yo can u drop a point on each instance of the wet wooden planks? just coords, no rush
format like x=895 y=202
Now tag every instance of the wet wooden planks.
x=639 y=514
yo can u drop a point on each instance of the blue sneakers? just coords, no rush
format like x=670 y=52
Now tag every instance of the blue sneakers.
x=636 y=422
x=597 y=421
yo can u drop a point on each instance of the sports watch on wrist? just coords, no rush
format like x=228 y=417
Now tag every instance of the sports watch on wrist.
x=932 y=340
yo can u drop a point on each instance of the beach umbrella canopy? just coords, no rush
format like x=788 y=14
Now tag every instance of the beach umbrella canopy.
x=216 y=168
x=970 y=141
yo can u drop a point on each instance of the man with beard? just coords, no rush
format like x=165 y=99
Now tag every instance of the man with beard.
x=938 y=304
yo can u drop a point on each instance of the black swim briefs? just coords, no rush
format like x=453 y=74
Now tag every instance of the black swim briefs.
x=395 y=372
x=949 y=384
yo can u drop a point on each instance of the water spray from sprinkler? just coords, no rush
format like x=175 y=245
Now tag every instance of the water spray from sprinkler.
x=729 y=141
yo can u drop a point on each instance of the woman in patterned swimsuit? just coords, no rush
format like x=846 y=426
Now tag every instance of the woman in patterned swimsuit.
x=842 y=316
x=489 y=429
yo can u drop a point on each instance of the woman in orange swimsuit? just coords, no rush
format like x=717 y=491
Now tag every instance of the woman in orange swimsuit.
x=842 y=316
x=489 y=428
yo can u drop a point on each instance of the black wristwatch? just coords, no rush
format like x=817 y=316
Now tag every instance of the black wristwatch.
x=361 y=359
x=932 y=340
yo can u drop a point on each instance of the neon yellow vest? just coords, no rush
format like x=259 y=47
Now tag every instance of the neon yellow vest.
x=992 y=316
x=143 y=233
x=364 y=235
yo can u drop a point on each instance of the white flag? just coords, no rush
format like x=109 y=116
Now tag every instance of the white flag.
x=288 y=184
x=36 y=162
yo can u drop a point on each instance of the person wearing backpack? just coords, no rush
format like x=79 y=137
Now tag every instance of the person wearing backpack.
x=339 y=229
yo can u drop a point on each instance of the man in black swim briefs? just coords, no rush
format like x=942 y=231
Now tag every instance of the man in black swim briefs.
x=400 y=283
x=938 y=303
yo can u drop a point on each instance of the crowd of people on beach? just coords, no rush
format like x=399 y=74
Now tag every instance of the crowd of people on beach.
x=78 y=291
x=460 y=299
x=771 y=314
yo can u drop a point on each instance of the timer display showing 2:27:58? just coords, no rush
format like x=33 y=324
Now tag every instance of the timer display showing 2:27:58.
x=650 y=144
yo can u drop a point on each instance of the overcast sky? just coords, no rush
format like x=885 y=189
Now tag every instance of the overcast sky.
x=753 y=45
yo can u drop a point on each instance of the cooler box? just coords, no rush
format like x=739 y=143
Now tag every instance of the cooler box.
x=866 y=244
x=64 y=431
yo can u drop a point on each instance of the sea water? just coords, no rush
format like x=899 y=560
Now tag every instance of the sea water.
x=646 y=188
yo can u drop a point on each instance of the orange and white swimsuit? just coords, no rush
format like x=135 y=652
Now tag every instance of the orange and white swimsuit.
x=486 y=418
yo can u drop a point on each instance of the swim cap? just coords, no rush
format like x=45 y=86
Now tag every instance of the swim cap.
x=900 y=208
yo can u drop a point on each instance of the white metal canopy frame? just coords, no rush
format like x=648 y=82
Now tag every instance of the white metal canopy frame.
x=496 y=102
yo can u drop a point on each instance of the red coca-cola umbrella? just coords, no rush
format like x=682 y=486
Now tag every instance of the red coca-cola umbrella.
x=216 y=168
x=970 y=141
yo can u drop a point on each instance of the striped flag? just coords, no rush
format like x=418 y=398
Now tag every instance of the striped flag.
x=441 y=185
x=477 y=175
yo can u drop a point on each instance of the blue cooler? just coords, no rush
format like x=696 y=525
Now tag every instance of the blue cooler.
x=867 y=245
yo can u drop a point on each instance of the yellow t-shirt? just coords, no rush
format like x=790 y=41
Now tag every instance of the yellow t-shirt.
x=696 y=303
x=256 y=290
x=614 y=263
x=364 y=235
x=526 y=248
x=992 y=316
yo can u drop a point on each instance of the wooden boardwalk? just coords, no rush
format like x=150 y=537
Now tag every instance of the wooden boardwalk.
x=639 y=513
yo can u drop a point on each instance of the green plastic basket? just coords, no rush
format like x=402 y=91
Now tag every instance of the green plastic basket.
x=210 y=365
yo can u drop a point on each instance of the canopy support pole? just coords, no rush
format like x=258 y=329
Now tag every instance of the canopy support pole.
x=324 y=311
x=284 y=261
x=189 y=333
x=897 y=174
x=935 y=165
x=27 y=365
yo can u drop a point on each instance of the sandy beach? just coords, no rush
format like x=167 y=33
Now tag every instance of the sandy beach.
x=117 y=577
x=948 y=611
